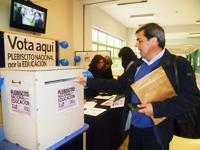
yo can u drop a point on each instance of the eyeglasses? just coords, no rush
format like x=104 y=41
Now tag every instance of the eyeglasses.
x=101 y=62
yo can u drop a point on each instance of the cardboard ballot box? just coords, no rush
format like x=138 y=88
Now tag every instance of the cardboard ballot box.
x=41 y=106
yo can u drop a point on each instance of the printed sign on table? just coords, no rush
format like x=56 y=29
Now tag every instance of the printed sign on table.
x=23 y=51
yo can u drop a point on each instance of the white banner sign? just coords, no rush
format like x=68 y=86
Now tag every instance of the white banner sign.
x=23 y=51
x=20 y=101
x=67 y=97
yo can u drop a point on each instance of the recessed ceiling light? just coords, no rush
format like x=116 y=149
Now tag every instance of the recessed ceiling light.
x=187 y=45
x=198 y=22
x=142 y=16
x=132 y=2
x=194 y=34
x=89 y=2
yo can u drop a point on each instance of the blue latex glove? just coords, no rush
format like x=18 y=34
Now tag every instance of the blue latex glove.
x=87 y=74
x=1 y=82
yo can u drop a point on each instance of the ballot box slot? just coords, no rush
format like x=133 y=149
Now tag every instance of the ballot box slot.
x=60 y=80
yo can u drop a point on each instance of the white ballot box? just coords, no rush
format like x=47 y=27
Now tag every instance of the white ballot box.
x=41 y=106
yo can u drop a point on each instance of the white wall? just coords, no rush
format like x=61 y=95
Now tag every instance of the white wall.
x=64 y=22
x=94 y=16
x=4 y=14
x=131 y=38
x=77 y=25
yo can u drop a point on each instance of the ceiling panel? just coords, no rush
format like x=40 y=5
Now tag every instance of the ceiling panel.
x=178 y=18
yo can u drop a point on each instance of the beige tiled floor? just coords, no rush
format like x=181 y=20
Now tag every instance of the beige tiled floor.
x=184 y=144
x=124 y=146
x=176 y=144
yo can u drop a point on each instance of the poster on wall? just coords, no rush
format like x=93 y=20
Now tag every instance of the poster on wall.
x=86 y=57
x=67 y=97
x=23 y=51
x=20 y=101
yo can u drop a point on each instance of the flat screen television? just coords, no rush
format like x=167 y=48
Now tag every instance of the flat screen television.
x=28 y=16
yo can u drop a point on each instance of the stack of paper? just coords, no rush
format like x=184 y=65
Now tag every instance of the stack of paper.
x=114 y=103
x=94 y=111
x=103 y=97
x=88 y=105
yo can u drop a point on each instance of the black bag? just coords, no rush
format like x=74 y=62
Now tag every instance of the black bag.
x=188 y=124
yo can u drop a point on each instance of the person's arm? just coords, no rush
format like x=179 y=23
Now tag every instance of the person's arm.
x=112 y=86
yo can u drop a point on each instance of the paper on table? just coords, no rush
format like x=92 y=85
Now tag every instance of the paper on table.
x=118 y=103
x=154 y=87
x=89 y=105
x=107 y=103
x=103 y=97
x=94 y=111
x=115 y=101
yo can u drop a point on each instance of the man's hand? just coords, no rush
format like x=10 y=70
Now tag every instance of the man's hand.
x=82 y=80
x=147 y=109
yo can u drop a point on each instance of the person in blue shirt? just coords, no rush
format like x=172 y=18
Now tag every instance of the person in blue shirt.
x=144 y=135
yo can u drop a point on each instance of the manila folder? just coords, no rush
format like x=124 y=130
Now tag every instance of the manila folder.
x=154 y=87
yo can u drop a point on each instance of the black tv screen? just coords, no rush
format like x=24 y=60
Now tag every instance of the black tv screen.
x=28 y=16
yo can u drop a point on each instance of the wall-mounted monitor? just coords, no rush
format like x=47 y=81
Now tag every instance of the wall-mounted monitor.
x=28 y=16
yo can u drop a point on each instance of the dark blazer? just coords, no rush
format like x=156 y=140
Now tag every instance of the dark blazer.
x=107 y=73
x=96 y=72
x=188 y=96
